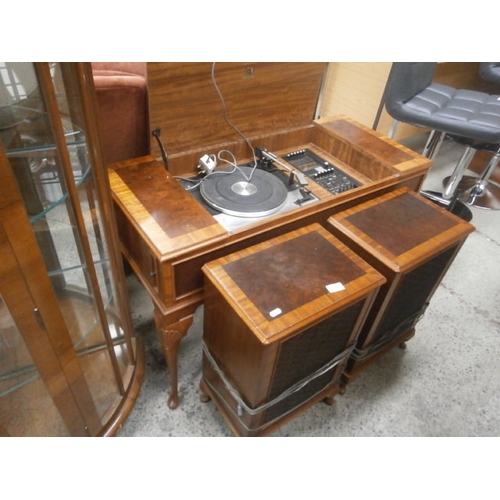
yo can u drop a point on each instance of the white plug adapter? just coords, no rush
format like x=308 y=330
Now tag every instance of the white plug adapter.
x=207 y=164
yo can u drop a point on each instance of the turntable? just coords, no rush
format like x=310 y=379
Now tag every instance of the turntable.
x=244 y=192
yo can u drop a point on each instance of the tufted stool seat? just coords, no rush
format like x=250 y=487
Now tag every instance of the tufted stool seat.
x=490 y=71
x=468 y=114
x=469 y=117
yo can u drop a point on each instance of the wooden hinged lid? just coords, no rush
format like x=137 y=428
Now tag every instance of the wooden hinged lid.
x=292 y=281
x=400 y=228
x=259 y=99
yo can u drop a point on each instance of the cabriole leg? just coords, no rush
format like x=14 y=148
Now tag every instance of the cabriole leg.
x=171 y=335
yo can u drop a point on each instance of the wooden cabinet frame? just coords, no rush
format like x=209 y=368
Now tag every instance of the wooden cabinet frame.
x=167 y=236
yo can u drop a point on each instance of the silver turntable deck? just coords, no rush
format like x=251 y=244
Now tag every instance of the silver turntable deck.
x=236 y=202
x=245 y=192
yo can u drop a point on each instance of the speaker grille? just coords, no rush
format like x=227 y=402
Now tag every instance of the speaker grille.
x=413 y=294
x=306 y=352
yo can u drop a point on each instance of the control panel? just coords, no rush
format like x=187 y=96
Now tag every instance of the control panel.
x=329 y=176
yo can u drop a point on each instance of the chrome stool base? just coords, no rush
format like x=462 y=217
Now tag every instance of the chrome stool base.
x=486 y=197
x=479 y=191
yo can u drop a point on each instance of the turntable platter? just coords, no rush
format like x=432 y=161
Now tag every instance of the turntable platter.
x=231 y=193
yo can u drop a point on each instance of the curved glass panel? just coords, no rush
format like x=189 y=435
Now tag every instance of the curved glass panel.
x=26 y=407
x=63 y=205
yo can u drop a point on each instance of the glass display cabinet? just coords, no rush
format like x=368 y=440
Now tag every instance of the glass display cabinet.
x=70 y=364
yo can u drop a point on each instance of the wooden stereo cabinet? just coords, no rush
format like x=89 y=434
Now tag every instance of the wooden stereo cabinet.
x=280 y=320
x=167 y=235
x=412 y=242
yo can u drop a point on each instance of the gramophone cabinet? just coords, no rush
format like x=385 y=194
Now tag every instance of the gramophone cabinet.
x=198 y=109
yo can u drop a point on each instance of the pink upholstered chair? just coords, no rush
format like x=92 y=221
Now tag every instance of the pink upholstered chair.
x=121 y=89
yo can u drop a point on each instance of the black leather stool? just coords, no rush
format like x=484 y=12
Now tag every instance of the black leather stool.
x=469 y=117
x=483 y=191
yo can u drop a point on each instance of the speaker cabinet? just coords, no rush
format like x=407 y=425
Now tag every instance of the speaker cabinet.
x=280 y=321
x=412 y=242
